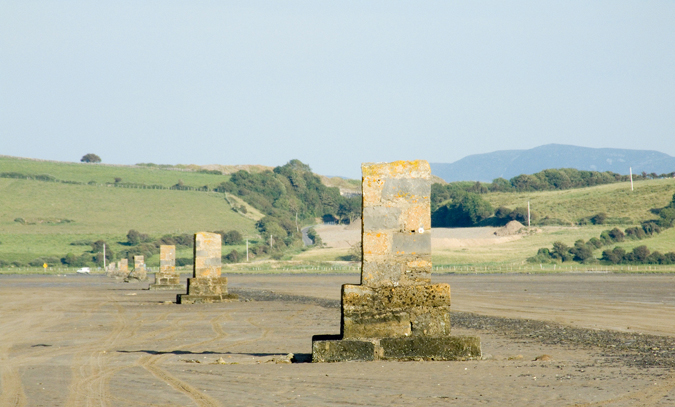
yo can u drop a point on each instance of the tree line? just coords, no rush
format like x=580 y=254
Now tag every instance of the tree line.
x=550 y=179
x=582 y=252
x=290 y=196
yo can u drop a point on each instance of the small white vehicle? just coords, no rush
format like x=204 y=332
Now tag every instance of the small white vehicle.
x=84 y=270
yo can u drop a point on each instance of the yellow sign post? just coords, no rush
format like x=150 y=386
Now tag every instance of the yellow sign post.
x=45 y=266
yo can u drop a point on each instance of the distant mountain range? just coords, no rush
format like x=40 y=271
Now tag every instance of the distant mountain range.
x=509 y=163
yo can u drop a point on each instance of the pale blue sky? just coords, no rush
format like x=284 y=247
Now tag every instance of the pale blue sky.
x=331 y=83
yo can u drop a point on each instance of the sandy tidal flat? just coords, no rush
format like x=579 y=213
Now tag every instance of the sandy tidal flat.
x=88 y=340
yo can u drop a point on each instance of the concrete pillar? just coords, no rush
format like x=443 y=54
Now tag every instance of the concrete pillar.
x=139 y=272
x=395 y=313
x=207 y=284
x=167 y=278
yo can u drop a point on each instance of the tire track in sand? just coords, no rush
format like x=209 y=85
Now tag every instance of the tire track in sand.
x=11 y=386
x=149 y=362
x=88 y=386
x=650 y=396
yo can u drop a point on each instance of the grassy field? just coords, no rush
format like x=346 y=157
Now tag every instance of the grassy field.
x=107 y=210
x=98 y=212
x=101 y=173
x=512 y=255
x=58 y=214
x=616 y=200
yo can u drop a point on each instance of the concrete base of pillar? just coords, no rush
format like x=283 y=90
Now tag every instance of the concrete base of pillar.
x=166 y=287
x=205 y=299
x=206 y=290
x=334 y=348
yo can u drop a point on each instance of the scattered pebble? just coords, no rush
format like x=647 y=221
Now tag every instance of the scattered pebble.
x=543 y=358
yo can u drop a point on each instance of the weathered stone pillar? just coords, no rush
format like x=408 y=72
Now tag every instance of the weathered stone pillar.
x=167 y=278
x=395 y=313
x=206 y=284
x=121 y=269
x=139 y=273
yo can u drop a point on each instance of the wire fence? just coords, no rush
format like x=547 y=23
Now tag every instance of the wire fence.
x=340 y=268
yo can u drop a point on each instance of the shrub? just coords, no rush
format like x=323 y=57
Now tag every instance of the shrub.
x=39 y=262
x=635 y=233
x=232 y=237
x=90 y=158
x=183 y=261
x=611 y=257
x=597 y=243
x=581 y=251
x=616 y=235
x=316 y=239
x=231 y=257
x=599 y=219
x=466 y=210
x=135 y=238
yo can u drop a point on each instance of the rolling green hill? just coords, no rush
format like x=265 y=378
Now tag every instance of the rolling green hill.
x=616 y=200
x=57 y=214
x=106 y=173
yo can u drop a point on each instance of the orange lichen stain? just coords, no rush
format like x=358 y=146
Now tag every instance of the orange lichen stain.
x=397 y=169
x=371 y=190
x=375 y=243
x=417 y=216
x=419 y=264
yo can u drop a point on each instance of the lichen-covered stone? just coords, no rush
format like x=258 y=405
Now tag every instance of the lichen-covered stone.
x=396 y=310
x=167 y=278
x=139 y=273
x=381 y=217
x=119 y=269
x=206 y=285
x=335 y=350
x=207 y=255
x=431 y=348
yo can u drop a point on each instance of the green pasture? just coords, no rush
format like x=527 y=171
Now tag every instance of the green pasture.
x=57 y=215
x=107 y=210
x=106 y=173
x=616 y=200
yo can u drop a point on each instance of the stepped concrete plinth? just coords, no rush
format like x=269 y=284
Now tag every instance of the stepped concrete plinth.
x=395 y=313
x=167 y=278
x=206 y=285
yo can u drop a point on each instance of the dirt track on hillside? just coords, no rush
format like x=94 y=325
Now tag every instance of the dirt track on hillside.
x=87 y=340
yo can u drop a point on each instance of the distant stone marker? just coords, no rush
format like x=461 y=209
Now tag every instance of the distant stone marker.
x=395 y=313
x=119 y=269
x=139 y=273
x=206 y=284
x=167 y=278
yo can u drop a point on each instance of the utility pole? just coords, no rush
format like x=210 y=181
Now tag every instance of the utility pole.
x=246 y=250
x=296 y=222
x=631 y=177
x=104 y=256
x=271 y=242
x=528 y=214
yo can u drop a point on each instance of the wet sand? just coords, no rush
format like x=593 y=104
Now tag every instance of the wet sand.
x=88 y=340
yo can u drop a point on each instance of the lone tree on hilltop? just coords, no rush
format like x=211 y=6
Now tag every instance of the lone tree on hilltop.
x=90 y=158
